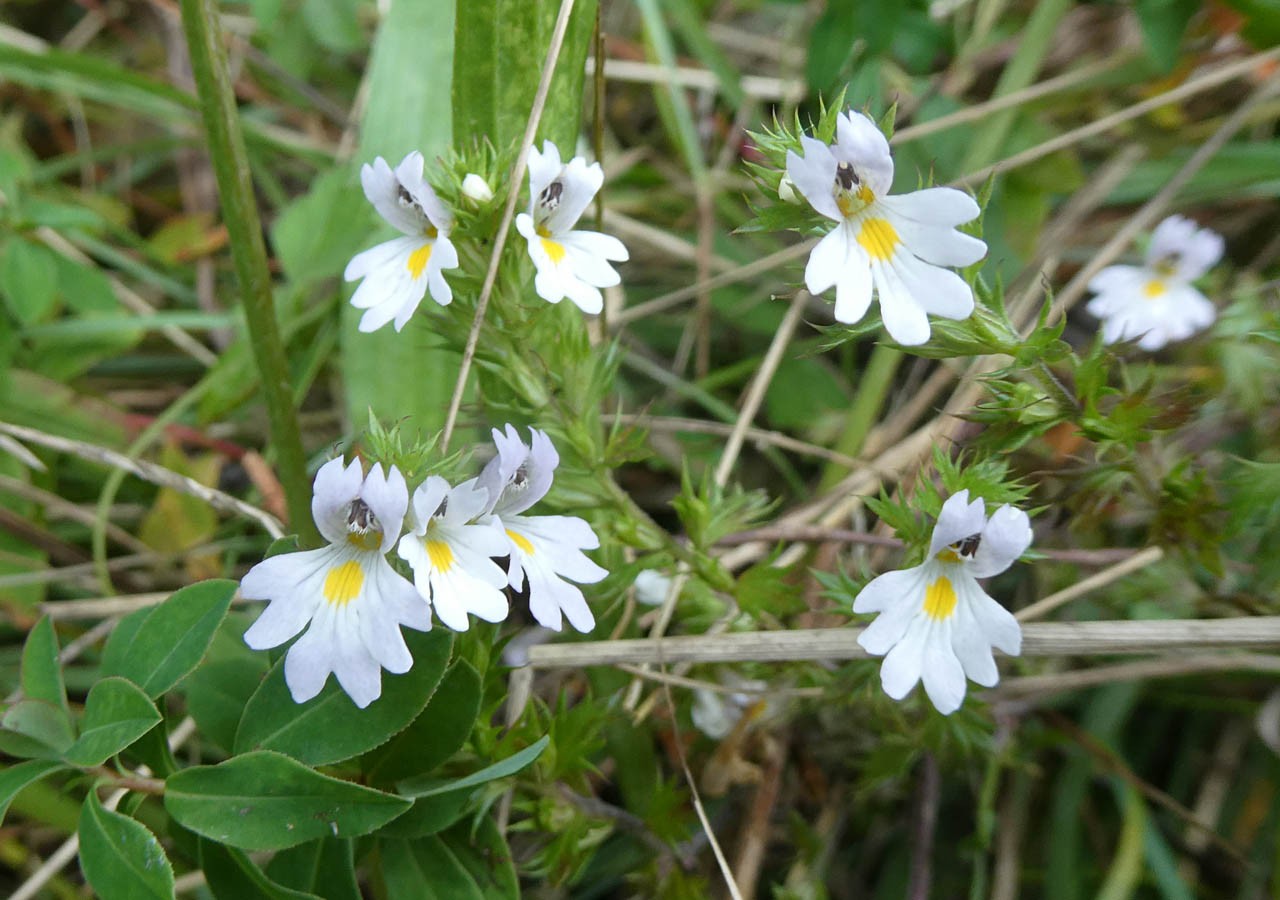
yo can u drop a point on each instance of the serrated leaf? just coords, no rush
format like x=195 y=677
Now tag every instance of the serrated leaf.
x=330 y=728
x=120 y=858
x=172 y=639
x=267 y=801
x=116 y=713
x=437 y=733
x=16 y=777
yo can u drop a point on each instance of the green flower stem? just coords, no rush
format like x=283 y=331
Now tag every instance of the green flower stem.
x=244 y=228
x=866 y=406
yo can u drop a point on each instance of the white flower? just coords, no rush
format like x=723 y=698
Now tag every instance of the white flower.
x=545 y=550
x=397 y=274
x=451 y=554
x=935 y=622
x=897 y=244
x=348 y=591
x=1155 y=302
x=573 y=264
x=476 y=188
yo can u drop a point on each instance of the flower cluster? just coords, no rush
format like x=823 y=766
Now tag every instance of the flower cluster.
x=396 y=275
x=456 y=543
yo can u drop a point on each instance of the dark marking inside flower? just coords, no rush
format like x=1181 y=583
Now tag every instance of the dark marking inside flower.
x=968 y=546
x=550 y=196
x=521 y=477
x=360 y=518
x=407 y=202
x=846 y=178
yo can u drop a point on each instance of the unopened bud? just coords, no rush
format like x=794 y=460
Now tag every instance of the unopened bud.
x=787 y=190
x=476 y=188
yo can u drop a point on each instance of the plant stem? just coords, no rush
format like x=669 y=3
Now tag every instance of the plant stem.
x=866 y=406
x=244 y=227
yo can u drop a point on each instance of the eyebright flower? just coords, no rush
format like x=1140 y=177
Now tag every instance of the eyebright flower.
x=398 y=273
x=450 y=553
x=573 y=264
x=348 y=591
x=898 y=244
x=544 y=550
x=1155 y=302
x=935 y=622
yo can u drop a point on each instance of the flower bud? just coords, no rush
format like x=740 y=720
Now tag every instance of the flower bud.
x=787 y=190
x=476 y=188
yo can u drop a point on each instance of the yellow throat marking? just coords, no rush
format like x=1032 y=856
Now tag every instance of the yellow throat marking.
x=940 y=599
x=555 y=251
x=1153 y=288
x=343 y=583
x=521 y=541
x=440 y=554
x=418 y=260
x=878 y=238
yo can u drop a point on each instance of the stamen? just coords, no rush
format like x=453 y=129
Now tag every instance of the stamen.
x=549 y=199
x=969 y=545
x=846 y=178
x=364 y=529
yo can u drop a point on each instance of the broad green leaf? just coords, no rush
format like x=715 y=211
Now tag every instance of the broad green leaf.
x=217 y=692
x=34 y=728
x=116 y=651
x=430 y=787
x=464 y=863
x=231 y=875
x=429 y=815
x=437 y=733
x=325 y=867
x=316 y=235
x=173 y=638
x=500 y=49
x=120 y=858
x=410 y=71
x=330 y=728
x=16 y=777
x=116 y=713
x=41 y=673
x=267 y=801
x=29 y=280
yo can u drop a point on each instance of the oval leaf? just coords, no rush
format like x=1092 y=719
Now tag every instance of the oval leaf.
x=267 y=801
x=41 y=674
x=437 y=733
x=35 y=728
x=430 y=787
x=15 y=778
x=330 y=728
x=116 y=713
x=120 y=857
x=172 y=639
x=231 y=875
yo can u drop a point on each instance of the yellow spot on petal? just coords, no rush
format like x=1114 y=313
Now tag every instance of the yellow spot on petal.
x=1153 y=288
x=940 y=599
x=554 y=250
x=845 y=203
x=440 y=554
x=343 y=583
x=949 y=556
x=418 y=260
x=866 y=195
x=878 y=238
x=521 y=541
x=365 y=540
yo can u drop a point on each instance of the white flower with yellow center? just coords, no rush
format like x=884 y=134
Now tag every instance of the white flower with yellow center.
x=896 y=244
x=1155 y=302
x=573 y=264
x=398 y=274
x=451 y=554
x=936 y=624
x=544 y=550
x=348 y=591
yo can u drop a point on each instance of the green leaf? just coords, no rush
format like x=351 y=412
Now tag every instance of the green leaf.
x=41 y=673
x=430 y=787
x=267 y=801
x=120 y=858
x=29 y=280
x=437 y=733
x=16 y=777
x=35 y=728
x=217 y=693
x=173 y=638
x=1163 y=24
x=326 y=867
x=330 y=728
x=116 y=713
x=231 y=875
x=461 y=864
x=316 y=235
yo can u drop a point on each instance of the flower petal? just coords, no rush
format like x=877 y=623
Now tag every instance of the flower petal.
x=957 y=520
x=1006 y=536
x=890 y=590
x=938 y=291
x=941 y=671
x=935 y=207
x=828 y=260
x=335 y=487
x=388 y=498
x=904 y=317
x=814 y=175
x=904 y=663
x=861 y=143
